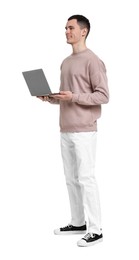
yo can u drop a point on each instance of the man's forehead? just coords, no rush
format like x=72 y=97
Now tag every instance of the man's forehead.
x=72 y=22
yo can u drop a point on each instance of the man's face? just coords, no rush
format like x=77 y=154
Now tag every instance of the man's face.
x=74 y=33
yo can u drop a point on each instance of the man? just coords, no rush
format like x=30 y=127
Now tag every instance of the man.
x=83 y=89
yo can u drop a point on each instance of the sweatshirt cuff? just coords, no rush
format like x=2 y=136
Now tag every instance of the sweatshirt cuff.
x=75 y=97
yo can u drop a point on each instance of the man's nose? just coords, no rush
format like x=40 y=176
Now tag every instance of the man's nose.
x=67 y=30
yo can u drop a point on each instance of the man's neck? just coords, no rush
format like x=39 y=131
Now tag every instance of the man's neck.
x=78 y=48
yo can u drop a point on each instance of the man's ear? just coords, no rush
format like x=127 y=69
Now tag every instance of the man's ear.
x=84 y=32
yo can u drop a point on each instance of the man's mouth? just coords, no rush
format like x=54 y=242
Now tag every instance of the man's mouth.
x=69 y=37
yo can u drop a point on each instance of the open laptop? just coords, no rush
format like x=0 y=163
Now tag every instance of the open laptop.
x=37 y=83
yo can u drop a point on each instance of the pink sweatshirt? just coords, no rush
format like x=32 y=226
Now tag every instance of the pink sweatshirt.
x=84 y=74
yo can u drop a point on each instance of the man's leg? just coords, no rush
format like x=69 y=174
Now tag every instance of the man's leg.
x=85 y=155
x=71 y=175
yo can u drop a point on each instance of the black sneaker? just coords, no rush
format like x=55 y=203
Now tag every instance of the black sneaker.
x=70 y=229
x=90 y=239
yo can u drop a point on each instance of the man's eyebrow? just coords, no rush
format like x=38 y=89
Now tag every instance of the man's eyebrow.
x=70 y=27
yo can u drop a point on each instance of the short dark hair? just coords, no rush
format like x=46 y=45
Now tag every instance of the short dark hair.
x=82 y=21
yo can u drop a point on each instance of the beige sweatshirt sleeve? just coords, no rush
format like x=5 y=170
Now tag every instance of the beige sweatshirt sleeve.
x=99 y=86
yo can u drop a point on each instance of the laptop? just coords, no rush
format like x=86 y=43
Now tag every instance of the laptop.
x=37 y=83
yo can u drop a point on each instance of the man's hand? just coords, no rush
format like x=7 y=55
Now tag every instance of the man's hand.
x=63 y=95
x=44 y=98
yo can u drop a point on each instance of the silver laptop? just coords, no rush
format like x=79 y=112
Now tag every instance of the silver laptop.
x=37 y=83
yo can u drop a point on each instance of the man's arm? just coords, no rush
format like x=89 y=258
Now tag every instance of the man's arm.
x=100 y=91
x=99 y=95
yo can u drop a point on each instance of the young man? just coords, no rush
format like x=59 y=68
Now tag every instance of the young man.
x=82 y=91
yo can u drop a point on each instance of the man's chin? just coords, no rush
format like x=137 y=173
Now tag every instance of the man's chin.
x=69 y=42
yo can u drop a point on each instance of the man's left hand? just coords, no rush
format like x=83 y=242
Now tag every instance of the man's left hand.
x=63 y=95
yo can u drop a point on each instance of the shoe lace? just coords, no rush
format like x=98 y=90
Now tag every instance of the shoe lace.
x=87 y=236
x=69 y=225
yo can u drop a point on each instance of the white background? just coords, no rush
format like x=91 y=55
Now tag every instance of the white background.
x=33 y=195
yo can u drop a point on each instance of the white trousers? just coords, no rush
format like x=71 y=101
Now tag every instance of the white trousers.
x=78 y=153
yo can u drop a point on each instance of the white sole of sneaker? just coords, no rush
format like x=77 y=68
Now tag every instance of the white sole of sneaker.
x=82 y=243
x=58 y=232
